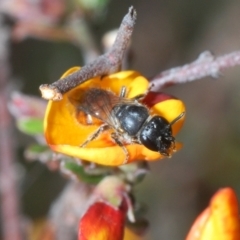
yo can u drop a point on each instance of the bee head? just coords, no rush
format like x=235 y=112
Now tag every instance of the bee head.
x=157 y=134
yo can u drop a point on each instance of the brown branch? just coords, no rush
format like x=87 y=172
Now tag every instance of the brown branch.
x=107 y=63
x=205 y=65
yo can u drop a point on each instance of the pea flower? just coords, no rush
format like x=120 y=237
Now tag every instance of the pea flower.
x=66 y=129
x=219 y=221
x=105 y=217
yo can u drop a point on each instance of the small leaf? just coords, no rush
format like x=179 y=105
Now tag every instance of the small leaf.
x=135 y=172
x=80 y=172
x=38 y=152
x=25 y=106
x=31 y=126
x=93 y=4
x=36 y=148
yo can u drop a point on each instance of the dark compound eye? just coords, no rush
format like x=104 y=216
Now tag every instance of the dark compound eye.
x=157 y=135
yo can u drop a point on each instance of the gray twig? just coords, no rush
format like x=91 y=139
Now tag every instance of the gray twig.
x=205 y=65
x=109 y=62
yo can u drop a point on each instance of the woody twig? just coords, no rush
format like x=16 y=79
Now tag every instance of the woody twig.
x=206 y=65
x=107 y=63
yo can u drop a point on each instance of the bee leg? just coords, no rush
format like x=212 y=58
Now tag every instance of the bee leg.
x=95 y=134
x=120 y=144
x=123 y=92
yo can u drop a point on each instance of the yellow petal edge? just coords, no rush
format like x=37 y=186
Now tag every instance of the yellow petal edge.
x=64 y=133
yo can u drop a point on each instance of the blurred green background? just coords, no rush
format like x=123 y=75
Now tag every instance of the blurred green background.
x=167 y=34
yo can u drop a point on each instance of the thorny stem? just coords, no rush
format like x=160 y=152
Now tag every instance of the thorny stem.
x=8 y=189
x=107 y=63
x=205 y=65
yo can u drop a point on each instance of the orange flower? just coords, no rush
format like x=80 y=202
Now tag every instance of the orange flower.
x=220 y=221
x=129 y=235
x=65 y=129
x=105 y=217
x=102 y=221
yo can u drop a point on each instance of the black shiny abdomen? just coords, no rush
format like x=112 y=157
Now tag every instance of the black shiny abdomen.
x=157 y=135
x=131 y=117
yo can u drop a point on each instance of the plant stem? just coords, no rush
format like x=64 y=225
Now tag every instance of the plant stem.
x=8 y=186
x=205 y=65
x=107 y=63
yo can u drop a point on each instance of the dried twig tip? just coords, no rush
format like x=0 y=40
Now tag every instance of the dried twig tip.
x=130 y=17
x=132 y=11
x=50 y=93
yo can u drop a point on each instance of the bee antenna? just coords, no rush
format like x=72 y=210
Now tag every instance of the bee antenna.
x=176 y=119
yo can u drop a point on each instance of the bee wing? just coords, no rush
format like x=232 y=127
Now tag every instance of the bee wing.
x=99 y=104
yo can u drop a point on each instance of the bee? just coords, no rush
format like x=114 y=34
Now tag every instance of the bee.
x=130 y=120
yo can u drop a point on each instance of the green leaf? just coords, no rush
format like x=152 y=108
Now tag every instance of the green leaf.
x=31 y=126
x=80 y=172
x=93 y=4
x=36 y=148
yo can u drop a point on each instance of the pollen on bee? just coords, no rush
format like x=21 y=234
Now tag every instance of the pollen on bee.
x=86 y=119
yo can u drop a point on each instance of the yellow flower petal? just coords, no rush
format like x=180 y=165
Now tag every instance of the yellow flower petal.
x=220 y=221
x=129 y=235
x=170 y=109
x=111 y=156
x=65 y=130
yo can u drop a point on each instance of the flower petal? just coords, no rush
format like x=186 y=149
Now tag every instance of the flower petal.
x=111 y=156
x=129 y=235
x=65 y=129
x=101 y=222
x=171 y=109
x=61 y=125
x=220 y=221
